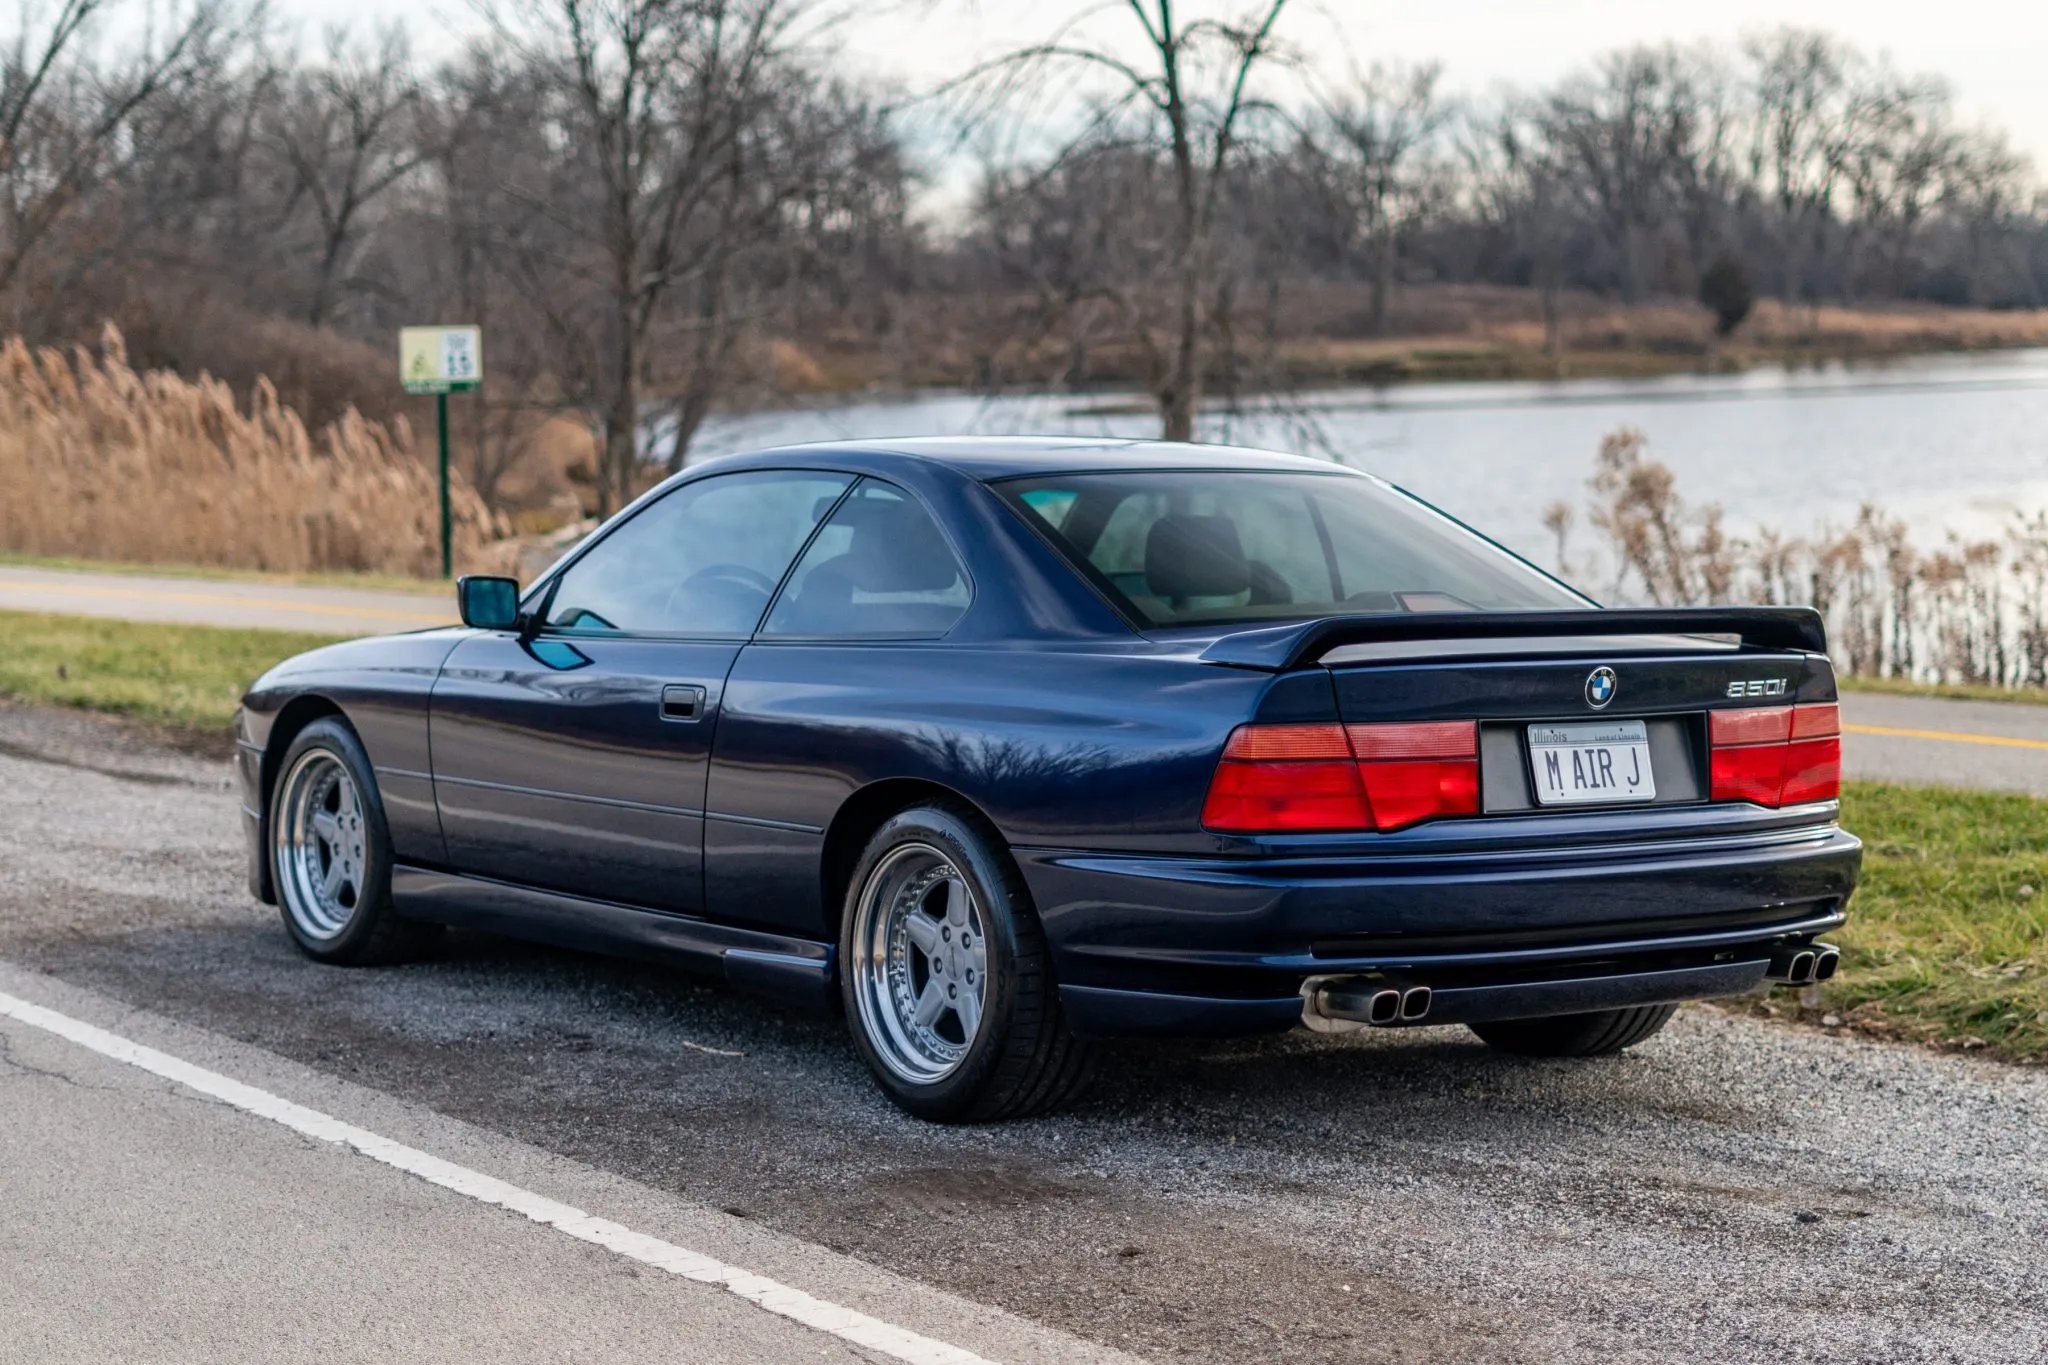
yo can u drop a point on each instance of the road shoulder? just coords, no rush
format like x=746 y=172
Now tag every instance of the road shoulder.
x=822 y=1273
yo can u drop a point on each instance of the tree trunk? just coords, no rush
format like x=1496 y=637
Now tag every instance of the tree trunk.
x=1382 y=283
x=323 y=283
x=1177 y=395
x=1182 y=385
x=621 y=451
x=1631 y=264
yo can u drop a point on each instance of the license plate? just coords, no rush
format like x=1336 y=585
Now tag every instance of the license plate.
x=1576 y=765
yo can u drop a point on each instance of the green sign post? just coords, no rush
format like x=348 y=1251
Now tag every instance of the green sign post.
x=441 y=361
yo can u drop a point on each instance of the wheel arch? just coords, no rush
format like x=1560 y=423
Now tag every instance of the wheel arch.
x=866 y=811
x=293 y=717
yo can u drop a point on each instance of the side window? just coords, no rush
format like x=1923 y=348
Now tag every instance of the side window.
x=702 y=561
x=879 y=567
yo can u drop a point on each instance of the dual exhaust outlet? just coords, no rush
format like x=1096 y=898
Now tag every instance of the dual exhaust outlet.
x=1375 y=1004
x=1803 y=964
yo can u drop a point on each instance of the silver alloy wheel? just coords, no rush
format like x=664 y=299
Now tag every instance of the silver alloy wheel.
x=920 y=963
x=320 y=845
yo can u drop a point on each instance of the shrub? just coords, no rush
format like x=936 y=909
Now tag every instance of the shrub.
x=1725 y=288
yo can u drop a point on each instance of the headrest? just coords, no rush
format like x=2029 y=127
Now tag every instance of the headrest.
x=895 y=548
x=1190 y=556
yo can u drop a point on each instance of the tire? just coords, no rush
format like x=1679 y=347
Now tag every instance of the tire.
x=1006 y=1052
x=1599 y=1034
x=324 y=811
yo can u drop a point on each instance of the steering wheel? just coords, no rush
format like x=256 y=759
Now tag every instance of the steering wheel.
x=729 y=573
x=732 y=575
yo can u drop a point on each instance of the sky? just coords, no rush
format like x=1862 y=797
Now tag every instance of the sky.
x=1993 y=52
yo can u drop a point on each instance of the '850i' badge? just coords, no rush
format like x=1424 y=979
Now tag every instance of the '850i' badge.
x=1600 y=687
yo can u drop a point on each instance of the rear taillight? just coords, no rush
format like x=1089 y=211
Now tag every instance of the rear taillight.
x=1302 y=778
x=1287 y=778
x=1418 y=771
x=1777 y=755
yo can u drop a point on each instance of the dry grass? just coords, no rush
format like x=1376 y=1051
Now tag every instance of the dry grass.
x=102 y=461
x=1960 y=613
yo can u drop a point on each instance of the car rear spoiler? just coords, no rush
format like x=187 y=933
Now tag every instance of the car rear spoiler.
x=1275 y=648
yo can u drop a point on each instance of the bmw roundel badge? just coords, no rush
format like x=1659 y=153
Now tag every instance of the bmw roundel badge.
x=1600 y=687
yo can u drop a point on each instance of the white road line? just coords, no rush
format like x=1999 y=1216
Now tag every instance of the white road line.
x=759 y=1290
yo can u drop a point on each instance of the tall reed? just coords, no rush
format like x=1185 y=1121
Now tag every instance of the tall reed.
x=1962 y=611
x=101 y=461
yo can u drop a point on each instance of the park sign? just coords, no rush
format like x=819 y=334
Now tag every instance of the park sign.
x=440 y=359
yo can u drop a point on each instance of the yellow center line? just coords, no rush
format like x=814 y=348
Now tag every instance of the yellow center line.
x=229 y=600
x=1952 y=736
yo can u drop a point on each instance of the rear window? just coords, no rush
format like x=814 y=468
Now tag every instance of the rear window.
x=1191 y=547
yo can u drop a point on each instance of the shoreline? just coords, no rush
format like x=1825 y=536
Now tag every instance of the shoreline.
x=1439 y=334
x=1124 y=396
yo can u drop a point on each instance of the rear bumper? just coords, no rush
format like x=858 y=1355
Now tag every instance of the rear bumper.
x=1094 y=1012
x=1219 y=946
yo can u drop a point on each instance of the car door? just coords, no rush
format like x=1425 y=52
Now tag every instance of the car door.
x=575 y=760
x=845 y=655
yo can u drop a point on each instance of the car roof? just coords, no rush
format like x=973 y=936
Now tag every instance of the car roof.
x=1004 y=457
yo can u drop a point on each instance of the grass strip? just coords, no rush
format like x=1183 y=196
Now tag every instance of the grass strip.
x=1947 y=939
x=183 y=678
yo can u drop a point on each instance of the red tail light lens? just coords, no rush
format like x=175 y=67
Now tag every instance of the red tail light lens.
x=1303 y=778
x=1286 y=779
x=1813 y=771
x=1754 y=772
x=1418 y=772
x=1813 y=760
x=1777 y=755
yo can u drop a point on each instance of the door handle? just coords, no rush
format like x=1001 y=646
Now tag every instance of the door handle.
x=682 y=701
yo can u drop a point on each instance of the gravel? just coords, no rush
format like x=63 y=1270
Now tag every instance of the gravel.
x=1731 y=1190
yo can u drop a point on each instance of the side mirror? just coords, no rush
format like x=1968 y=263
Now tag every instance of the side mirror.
x=488 y=603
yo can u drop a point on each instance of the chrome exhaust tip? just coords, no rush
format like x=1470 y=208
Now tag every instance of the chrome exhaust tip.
x=1827 y=958
x=1793 y=966
x=1335 y=1004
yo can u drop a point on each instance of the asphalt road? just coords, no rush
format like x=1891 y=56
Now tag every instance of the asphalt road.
x=2001 y=746
x=144 y=1220
x=221 y=601
x=1731 y=1191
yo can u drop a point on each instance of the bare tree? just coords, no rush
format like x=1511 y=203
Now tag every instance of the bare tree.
x=1623 y=133
x=662 y=105
x=1384 y=131
x=66 y=110
x=1519 y=189
x=1188 y=102
x=346 y=129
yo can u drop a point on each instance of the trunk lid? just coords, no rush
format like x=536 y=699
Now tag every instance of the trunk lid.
x=1575 y=710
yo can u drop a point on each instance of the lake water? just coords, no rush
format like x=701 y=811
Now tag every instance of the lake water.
x=1947 y=442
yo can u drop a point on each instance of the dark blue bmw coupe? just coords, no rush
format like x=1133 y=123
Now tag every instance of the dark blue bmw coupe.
x=1012 y=745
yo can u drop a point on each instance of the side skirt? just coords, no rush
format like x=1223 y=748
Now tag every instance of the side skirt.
x=790 y=970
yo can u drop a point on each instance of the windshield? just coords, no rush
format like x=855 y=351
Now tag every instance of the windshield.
x=1188 y=547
